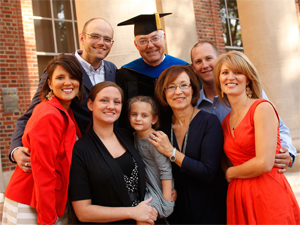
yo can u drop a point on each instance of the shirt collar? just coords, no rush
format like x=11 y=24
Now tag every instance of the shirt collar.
x=87 y=66
x=203 y=97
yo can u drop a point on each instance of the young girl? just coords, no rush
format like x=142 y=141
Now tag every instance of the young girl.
x=143 y=116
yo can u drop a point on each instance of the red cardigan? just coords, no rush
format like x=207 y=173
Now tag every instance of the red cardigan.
x=50 y=134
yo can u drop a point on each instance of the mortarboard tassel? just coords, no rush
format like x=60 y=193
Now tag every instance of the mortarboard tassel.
x=157 y=19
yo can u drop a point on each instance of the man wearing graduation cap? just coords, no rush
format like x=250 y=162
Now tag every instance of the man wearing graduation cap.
x=139 y=76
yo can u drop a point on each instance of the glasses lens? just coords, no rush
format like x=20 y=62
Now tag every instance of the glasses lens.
x=107 y=40
x=97 y=37
x=184 y=86
x=155 y=39
x=171 y=88
x=143 y=42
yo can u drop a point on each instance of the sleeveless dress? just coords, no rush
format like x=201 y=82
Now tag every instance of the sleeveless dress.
x=266 y=199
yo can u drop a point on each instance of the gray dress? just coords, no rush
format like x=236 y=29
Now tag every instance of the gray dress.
x=158 y=167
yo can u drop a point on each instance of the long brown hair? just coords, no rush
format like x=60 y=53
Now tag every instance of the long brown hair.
x=70 y=64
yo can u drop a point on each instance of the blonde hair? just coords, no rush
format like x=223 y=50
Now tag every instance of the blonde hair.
x=237 y=62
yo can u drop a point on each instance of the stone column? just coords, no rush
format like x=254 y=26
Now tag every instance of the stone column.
x=180 y=27
x=270 y=34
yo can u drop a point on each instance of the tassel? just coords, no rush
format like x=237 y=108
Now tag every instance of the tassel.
x=157 y=19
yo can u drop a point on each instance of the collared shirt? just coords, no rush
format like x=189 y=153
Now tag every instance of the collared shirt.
x=96 y=76
x=214 y=107
x=221 y=111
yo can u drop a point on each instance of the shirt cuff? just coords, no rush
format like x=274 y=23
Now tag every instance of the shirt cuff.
x=12 y=154
x=293 y=160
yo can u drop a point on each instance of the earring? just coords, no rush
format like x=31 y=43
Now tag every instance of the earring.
x=249 y=92
x=50 y=95
x=222 y=93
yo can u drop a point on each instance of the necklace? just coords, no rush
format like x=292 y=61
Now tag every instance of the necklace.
x=237 y=120
x=186 y=134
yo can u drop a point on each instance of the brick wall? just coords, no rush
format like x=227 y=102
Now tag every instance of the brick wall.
x=208 y=22
x=18 y=63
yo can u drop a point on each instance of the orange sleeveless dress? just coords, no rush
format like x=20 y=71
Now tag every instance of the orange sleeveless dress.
x=266 y=199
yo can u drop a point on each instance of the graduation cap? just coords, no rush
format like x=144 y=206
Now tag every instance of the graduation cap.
x=145 y=23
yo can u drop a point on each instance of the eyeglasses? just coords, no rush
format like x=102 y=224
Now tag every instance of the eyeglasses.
x=144 y=41
x=97 y=37
x=172 y=88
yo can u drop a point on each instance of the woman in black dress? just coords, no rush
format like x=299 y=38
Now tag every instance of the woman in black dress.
x=107 y=178
x=193 y=140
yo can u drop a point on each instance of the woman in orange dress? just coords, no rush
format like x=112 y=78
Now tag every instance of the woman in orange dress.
x=257 y=193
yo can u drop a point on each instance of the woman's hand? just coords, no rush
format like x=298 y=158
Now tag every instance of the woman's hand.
x=227 y=175
x=145 y=214
x=161 y=141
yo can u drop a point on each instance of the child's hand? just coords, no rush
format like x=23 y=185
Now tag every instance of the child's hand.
x=174 y=195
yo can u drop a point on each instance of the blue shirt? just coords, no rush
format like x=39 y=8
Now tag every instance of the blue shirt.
x=221 y=111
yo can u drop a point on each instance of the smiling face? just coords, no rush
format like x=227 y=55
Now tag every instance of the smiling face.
x=233 y=83
x=64 y=86
x=107 y=105
x=94 y=51
x=204 y=58
x=141 y=118
x=152 y=53
x=180 y=98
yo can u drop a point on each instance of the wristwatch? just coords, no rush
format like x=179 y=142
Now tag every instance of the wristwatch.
x=291 y=161
x=173 y=157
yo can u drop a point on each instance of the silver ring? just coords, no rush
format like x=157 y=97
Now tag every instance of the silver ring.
x=26 y=164
x=154 y=138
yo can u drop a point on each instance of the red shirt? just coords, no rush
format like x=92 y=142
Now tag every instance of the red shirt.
x=50 y=135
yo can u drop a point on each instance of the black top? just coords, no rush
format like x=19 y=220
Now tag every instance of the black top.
x=96 y=175
x=133 y=84
x=200 y=183
x=130 y=173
